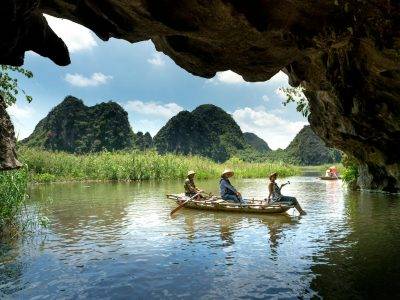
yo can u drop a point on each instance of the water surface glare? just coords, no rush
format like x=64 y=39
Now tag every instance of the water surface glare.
x=117 y=241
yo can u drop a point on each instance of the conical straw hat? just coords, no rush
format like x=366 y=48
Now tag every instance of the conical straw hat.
x=227 y=171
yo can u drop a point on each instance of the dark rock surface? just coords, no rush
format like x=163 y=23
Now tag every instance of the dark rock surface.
x=8 y=160
x=345 y=53
x=73 y=127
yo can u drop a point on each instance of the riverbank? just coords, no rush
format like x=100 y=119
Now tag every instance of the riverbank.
x=46 y=166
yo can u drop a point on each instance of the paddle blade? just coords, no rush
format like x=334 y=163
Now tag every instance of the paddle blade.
x=183 y=204
x=178 y=208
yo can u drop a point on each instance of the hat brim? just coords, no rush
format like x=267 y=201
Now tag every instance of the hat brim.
x=273 y=175
x=226 y=173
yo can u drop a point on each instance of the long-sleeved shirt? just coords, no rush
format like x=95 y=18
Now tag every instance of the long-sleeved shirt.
x=226 y=187
x=190 y=187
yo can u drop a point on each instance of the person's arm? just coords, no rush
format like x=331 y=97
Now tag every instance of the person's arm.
x=193 y=188
x=270 y=189
x=228 y=186
x=282 y=185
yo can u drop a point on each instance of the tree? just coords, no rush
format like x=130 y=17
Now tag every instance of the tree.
x=9 y=88
x=296 y=95
x=144 y=141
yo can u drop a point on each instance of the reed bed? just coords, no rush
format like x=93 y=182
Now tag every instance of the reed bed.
x=45 y=166
x=13 y=185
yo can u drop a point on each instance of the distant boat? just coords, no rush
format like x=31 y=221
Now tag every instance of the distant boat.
x=329 y=178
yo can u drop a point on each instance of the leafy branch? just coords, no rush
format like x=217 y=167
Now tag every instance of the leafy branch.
x=9 y=88
x=296 y=95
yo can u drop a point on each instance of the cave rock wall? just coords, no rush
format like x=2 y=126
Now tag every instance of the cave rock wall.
x=345 y=54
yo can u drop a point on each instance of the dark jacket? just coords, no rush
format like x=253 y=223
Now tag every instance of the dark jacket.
x=226 y=187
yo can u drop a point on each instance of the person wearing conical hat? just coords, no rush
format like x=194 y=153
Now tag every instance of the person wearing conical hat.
x=228 y=192
x=276 y=196
x=190 y=187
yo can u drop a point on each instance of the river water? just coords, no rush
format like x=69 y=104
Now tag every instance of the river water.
x=118 y=241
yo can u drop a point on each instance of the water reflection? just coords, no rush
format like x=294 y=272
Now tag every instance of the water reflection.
x=111 y=240
x=364 y=263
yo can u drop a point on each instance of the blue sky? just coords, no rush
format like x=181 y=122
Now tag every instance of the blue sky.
x=150 y=86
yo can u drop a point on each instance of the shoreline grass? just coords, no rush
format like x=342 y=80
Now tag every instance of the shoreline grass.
x=13 y=186
x=45 y=166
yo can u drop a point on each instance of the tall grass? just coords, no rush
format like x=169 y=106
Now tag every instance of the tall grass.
x=13 y=185
x=48 y=166
x=350 y=173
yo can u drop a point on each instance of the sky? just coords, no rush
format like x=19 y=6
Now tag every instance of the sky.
x=149 y=86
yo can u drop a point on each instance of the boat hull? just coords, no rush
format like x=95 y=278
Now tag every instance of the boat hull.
x=217 y=204
x=329 y=178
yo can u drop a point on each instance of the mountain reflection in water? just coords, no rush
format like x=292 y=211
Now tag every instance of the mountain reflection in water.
x=118 y=240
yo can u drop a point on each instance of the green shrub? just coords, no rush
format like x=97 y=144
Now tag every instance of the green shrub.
x=350 y=172
x=45 y=177
x=13 y=185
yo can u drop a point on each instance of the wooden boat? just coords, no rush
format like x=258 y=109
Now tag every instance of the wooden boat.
x=217 y=204
x=329 y=178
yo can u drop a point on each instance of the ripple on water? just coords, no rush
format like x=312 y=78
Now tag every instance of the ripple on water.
x=118 y=241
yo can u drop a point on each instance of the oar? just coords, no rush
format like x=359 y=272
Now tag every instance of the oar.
x=183 y=204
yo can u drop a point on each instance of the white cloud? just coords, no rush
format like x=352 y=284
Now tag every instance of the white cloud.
x=157 y=60
x=266 y=98
x=279 y=111
x=95 y=80
x=276 y=131
x=151 y=116
x=21 y=117
x=280 y=78
x=146 y=125
x=229 y=77
x=75 y=36
x=20 y=112
x=155 y=109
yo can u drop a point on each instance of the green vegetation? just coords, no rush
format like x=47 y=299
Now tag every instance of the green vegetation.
x=306 y=149
x=296 y=95
x=350 y=173
x=257 y=143
x=73 y=127
x=209 y=131
x=9 y=88
x=46 y=166
x=206 y=131
x=144 y=141
x=13 y=186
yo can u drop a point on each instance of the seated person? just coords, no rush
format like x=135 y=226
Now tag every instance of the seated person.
x=190 y=187
x=228 y=192
x=328 y=173
x=334 y=172
x=276 y=196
